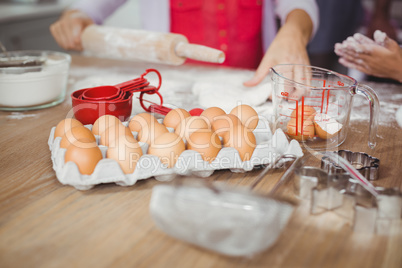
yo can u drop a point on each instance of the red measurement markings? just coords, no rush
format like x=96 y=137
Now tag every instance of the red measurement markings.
x=281 y=97
x=313 y=97
x=322 y=99
x=317 y=106
x=297 y=114
x=302 y=115
x=339 y=105
x=318 y=103
x=328 y=94
x=286 y=98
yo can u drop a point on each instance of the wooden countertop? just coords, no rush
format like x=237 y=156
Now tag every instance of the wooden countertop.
x=46 y=224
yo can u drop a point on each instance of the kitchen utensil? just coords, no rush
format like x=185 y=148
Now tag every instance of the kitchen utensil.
x=297 y=88
x=129 y=44
x=234 y=222
x=370 y=209
x=10 y=60
x=87 y=111
x=367 y=165
x=91 y=103
x=348 y=167
x=102 y=93
x=306 y=179
x=38 y=83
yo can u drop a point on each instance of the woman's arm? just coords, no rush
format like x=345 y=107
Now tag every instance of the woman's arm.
x=289 y=45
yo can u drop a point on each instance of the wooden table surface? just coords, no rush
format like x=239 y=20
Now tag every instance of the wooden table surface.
x=46 y=224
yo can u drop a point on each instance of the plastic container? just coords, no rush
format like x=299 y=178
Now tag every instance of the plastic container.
x=190 y=163
x=33 y=87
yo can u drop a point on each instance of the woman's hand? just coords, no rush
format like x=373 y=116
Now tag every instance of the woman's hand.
x=381 y=57
x=68 y=29
x=289 y=45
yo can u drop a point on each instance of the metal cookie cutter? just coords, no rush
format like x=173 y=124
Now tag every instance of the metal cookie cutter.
x=367 y=165
x=344 y=196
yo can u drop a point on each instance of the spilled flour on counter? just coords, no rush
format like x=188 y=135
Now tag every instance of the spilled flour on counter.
x=388 y=109
x=228 y=96
x=19 y=116
x=399 y=117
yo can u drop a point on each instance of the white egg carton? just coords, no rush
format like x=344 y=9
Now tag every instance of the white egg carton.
x=269 y=146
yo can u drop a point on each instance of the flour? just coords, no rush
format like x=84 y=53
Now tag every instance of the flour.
x=227 y=96
x=379 y=37
x=399 y=117
x=19 y=116
x=327 y=123
x=36 y=87
x=388 y=108
x=226 y=90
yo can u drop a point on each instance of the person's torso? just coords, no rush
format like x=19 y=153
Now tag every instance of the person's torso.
x=233 y=26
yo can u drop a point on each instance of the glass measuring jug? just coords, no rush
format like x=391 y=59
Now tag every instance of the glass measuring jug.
x=313 y=105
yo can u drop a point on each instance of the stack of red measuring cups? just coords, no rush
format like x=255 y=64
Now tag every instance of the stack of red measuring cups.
x=91 y=103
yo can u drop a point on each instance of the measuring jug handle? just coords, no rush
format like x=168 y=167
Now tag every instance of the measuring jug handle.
x=372 y=97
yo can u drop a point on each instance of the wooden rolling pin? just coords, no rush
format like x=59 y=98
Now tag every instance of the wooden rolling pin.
x=139 y=45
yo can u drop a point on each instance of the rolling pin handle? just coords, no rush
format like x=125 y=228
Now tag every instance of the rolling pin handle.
x=199 y=52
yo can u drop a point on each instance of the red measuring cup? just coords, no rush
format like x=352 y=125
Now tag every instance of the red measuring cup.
x=91 y=103
x=101 y=93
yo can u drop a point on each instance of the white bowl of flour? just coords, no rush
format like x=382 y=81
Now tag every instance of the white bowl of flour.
x=33 y=87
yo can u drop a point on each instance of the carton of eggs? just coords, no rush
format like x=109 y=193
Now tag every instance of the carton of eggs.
x=125 y=152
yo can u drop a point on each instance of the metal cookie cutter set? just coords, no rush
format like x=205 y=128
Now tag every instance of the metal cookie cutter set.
x=349 y=194
x=367 y=165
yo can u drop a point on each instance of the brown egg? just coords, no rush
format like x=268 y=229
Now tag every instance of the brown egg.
x=247 y=115
x=304 y=112
x=326 y=126
x=149 y=133
x=206 y=142
x=126 y=152
x=168 y=148
x=76 y=133
x=174 y=117
x=303 y=132
x=140 y=121
x=65 y=125
x=242 y=139
x=225 y=123
x=85 y=154
x=191 y=124
x=211 y=113
x=104 y=122
x=112 y=133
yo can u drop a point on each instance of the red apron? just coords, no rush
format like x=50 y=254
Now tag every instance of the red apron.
x=233 y=26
